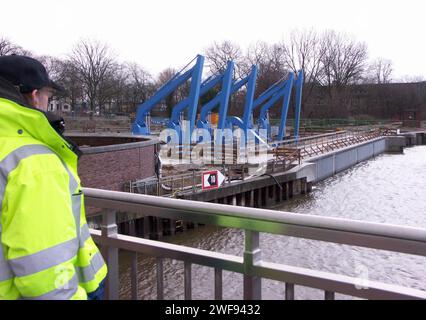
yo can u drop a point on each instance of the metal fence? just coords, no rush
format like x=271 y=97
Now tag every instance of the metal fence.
x=409 y=240
x=323 y=143
x=283 y=155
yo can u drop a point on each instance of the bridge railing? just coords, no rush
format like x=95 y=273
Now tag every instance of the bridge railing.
x=403 y=239
x=323 y=143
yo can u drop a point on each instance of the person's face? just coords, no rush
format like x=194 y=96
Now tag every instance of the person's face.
x=40 y=98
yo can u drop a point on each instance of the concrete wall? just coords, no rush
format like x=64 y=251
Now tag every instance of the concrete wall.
x=331 y=163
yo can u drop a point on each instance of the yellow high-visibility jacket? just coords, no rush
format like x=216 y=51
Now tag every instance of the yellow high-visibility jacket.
x=46 y=250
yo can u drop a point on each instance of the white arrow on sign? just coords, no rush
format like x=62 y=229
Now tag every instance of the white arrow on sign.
x=220 y=177
x=212 y=179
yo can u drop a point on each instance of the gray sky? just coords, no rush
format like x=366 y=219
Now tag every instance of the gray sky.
x=165 y=33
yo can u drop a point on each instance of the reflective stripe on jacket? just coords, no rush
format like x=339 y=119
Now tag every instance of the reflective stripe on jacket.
x=46 y=251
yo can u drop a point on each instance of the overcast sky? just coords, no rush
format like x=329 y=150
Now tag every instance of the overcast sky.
x=165 y=33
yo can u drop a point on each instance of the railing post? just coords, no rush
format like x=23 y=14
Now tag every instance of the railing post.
x=187 y=280
x=160 y=279
x=109 y=230
x=218 y=284
x=193 y=181
x=252 y=284
x=134 y=275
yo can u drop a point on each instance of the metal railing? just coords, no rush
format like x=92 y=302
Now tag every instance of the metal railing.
x=323 y=143
x=409 y=240
x=225 y=160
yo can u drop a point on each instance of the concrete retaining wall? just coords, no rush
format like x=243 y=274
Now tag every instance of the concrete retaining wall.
x=331 y=163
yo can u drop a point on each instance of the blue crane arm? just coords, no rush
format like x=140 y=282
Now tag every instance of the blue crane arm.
x=235 y=87
x=284 y=108
x=299 y=88
x=205 y=87
x=163 y=92
x=248 y=107
x=140 y=125
x=221 y=98
x=285 y=91
x=209 y=106
x=245 y=122
x=268 y=94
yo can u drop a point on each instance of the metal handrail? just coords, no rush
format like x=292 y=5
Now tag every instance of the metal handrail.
x=404 y=239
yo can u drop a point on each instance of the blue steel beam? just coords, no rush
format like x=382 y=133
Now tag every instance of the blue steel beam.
x=245 y=122
x=209 y=106
x=140 y=127
x=298 y=103
x=284 y=108
x=283 y=90
x=221 y=99
x=205 y=87
x=277 y=86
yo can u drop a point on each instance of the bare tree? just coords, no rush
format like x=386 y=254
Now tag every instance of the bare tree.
x=219 y=54
x=381 y=70
x=111 y=93
x=139 y=84
x=343 y=60
x=343 y=63
x=304 y=50
x=256 y=54
x=70 y=79
x=54 y=67
x=95 y=65
x=270 y=63
x=7 y=47
x=163 y=77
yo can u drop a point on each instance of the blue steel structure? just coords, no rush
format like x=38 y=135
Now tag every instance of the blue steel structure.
x=141 y=125
x=298 y=105
x=282 y=89
x=246 y=122
x=221 y=99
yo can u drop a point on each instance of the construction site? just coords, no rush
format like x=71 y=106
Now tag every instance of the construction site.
x=263 y=161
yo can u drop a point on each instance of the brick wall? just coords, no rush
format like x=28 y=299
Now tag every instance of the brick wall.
x=110 y=170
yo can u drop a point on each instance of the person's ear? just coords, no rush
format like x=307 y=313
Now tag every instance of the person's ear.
x=32 y=98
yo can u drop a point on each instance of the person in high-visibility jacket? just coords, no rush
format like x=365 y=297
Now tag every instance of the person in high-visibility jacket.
x=46 y=250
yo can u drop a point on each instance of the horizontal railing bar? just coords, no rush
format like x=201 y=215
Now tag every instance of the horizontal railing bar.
x=331 y=282
x=324 y=135
x=288 y=274
x=172 y=251
x=403 y=239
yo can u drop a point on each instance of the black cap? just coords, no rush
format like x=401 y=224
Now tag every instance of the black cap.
x=27 y=73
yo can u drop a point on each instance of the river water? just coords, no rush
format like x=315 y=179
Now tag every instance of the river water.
x=391 y=188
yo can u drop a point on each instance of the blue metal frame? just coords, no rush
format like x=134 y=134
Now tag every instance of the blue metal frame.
x=298 y=103
x=269 y=98
x=246 y=122
x=140 y=127
x=284 y=108
x=281 y=89
x=221 y=99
